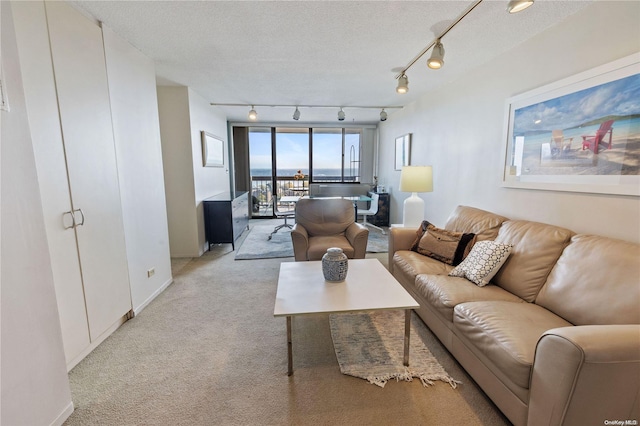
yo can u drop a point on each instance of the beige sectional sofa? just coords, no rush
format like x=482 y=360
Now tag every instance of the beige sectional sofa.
x=555 y=336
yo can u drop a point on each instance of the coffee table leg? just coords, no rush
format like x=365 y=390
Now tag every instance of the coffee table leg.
x=289 y=348
x=407 y=334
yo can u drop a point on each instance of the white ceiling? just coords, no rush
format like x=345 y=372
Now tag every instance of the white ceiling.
x=339 y=53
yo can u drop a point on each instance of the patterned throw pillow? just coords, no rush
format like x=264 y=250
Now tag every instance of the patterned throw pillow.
x=483 y=262
x=446 y=246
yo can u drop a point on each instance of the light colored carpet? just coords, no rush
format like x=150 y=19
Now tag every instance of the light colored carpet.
x=371 y=346
x=208 y=351
x=257 y=245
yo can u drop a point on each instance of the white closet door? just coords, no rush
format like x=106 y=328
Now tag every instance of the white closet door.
x=40 y=94
x=83 y=98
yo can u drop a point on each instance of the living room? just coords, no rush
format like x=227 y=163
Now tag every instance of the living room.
x=458 y=127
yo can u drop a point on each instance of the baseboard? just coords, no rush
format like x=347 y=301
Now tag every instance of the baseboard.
x=64 y=415
x=163 y=287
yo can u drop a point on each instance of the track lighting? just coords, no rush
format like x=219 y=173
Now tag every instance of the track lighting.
x=403 y=84
x=437 y=56
x=436 y=61
x=253 y=115
x=516 y=6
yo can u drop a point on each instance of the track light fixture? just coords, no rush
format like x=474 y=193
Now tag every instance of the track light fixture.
x=516 y=6
x=253 y=115
x=403 y=84
x=437 y=56
x=436 y=61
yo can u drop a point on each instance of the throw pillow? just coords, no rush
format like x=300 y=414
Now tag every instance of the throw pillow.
x=484 y=261
x=446 y=246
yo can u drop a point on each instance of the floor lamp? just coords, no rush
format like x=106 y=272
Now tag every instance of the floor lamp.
x=415 y=179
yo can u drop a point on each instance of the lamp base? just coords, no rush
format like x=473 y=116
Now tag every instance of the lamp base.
x=413 y=212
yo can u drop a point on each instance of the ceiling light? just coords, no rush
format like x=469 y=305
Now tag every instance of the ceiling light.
x=253 y=115
x=383 y=115
x=341 y=115
x=403 y=84
x=516 y=6
x=436 y=61
x=296 y=114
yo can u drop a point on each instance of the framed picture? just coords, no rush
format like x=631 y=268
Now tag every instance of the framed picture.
x=403 y=151
x=212 y=150
x=579 y=134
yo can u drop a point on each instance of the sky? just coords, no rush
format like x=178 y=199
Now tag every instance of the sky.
x=618 y=97
x=292 y=149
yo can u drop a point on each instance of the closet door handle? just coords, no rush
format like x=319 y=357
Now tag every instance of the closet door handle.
x=73 y=220
x=81 y=214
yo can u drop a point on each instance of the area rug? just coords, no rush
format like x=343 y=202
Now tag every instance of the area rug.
x=257 y=245
x=370 y=346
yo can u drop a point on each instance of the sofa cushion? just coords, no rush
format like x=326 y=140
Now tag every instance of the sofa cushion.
x=483 y=262
x=505 y=333
x=408 y=264
x=471 y=220
x=446 y=246
x=444 y=293
x=595 y=281
x=536 y=248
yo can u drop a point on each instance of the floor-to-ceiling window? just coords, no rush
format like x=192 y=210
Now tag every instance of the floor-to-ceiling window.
x=283 y=161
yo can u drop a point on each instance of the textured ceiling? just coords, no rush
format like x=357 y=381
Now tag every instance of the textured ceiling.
x=341 y=53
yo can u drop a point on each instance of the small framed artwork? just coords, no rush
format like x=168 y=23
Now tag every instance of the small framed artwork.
x=212 y=150
x=403 y=151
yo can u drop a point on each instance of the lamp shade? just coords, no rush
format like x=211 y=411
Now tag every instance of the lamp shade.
x=416 y=179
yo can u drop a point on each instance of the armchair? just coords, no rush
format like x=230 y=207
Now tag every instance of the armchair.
x=324 y=223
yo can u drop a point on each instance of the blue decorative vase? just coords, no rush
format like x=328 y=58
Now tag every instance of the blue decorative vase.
x=334 y=264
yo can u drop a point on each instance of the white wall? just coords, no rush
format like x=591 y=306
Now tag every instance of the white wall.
x=461 y=134
x=173 y=109
x=34 y=385
x=183 y=115
x=208 y=181
x=134 y=108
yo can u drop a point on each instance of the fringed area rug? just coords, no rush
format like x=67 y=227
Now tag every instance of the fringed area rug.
x=370 y=346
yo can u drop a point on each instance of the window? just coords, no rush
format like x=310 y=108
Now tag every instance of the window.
x=336 y=155
x=283 y=161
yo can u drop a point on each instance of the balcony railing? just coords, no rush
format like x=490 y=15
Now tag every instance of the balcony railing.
x=262 y=191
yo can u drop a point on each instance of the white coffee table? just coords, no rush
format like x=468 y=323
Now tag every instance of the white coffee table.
x=303 y=290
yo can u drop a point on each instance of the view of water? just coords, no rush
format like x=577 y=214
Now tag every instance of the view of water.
x=291 y=172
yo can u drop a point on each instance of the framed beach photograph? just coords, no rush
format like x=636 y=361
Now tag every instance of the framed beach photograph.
x=579 y=134
x=212 y=150
x=403 y=151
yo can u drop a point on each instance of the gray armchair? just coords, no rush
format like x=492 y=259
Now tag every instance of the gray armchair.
x=324 y=223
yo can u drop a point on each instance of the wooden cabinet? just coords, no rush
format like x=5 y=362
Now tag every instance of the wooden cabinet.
x=226 y=216
x=382 y=217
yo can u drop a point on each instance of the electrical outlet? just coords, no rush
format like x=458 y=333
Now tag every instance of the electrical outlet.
x=151 y=272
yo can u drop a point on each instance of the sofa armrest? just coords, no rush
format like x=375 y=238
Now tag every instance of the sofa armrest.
x=400 y=239
x=300 y=240
x=586 y=375
x=358 y=236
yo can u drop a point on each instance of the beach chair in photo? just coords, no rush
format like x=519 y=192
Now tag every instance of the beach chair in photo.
x=559 y=144
x=593 y=142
